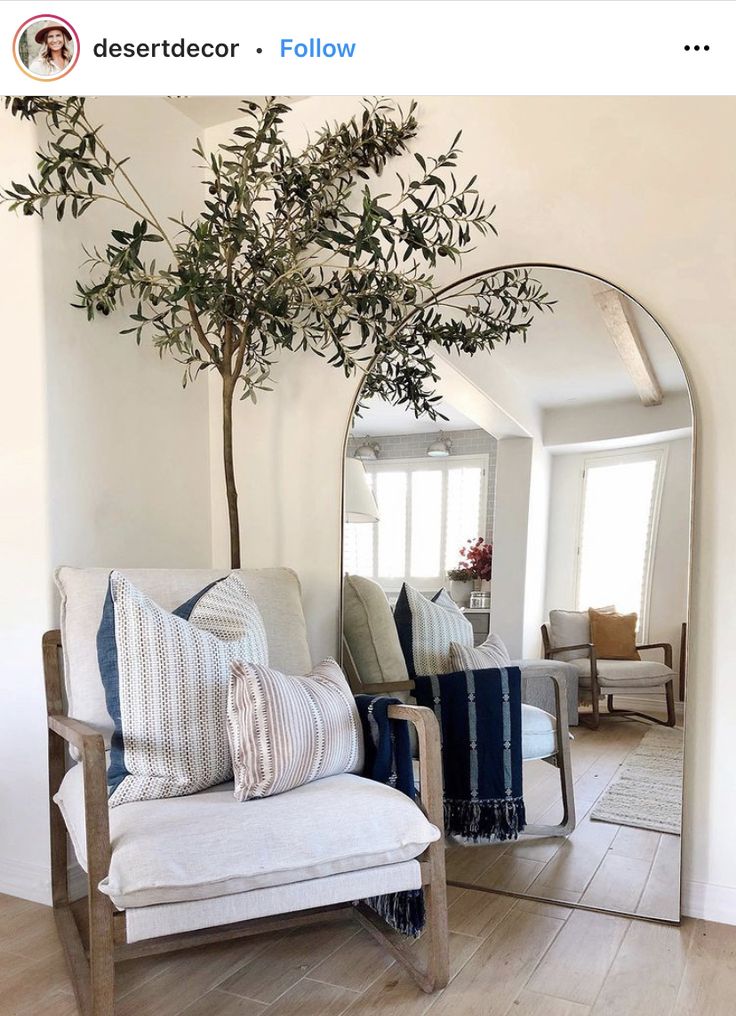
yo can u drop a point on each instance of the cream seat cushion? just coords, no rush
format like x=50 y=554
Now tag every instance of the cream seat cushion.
x=209 y=844
x=537 y=733
x=625 y=673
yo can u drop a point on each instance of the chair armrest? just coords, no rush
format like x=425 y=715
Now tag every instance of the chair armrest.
x=430 y=759
x=77 y=733
x=91 y=746
x=665 y=646
x=566 y=649
x=560 y=689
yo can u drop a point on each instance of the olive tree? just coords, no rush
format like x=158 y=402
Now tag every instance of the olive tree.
x=311 y=249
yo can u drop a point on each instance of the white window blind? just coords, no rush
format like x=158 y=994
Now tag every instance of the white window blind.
x=428 y=509
x=621 y=497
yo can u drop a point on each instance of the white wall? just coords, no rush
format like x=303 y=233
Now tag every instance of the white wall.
x=620 y=422
x=606 y=185
x=25 y=599
x=513 y=487
x=668 y=604
x=104 y=458
x=489 y=393
x=128 y=447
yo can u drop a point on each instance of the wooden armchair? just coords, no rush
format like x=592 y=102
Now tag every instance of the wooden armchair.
x=616 y=677
x=117 y=932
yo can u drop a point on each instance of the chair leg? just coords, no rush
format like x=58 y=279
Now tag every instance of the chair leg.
x=564 y=764
x=434 y=973
x=671 y=721
x=101 y=955
x=670 y=694
x=594 y=721
x=92 y=971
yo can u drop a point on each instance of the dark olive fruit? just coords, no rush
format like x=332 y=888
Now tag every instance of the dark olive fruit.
x=105 y=311
x=100 y=307
x=212 y=189
x=28 y=209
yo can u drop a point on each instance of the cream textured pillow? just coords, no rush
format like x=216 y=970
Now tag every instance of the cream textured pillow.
x=285 y=731
x=492 y=653
x=370 y=632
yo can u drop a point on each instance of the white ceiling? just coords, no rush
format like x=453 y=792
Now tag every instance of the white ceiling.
x=569 y=356
x=210 y=110
x=379 y=419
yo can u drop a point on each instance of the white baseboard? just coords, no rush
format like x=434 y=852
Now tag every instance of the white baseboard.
x=28 y=881
x=709 y=902
x=33 y=881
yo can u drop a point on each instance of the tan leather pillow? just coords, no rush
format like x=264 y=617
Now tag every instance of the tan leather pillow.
x=613 y=635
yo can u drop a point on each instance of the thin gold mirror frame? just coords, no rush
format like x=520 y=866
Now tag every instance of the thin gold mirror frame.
x=685 y=647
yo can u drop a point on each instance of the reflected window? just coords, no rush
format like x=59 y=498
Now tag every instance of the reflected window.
x=428 y=509
x=621 y=499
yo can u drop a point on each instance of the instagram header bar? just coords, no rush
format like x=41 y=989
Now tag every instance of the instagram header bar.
x=524 y=47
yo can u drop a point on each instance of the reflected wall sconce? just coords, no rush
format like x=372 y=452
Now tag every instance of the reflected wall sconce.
x=367 y=450
x=440 y=448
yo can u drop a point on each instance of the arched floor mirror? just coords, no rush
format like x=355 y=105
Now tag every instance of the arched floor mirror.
x=571 y=457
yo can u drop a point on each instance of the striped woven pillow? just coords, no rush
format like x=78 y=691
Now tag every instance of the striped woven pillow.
x=166 y=678
x=286 y=731
x=492 y=653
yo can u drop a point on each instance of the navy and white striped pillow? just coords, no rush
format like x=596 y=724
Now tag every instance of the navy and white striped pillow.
x=427 y=628
x=165 y=677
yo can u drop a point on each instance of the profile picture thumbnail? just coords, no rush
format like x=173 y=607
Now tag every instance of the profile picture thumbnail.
x=46 y=46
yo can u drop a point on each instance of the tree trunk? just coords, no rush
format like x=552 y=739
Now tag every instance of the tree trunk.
x=228 y=391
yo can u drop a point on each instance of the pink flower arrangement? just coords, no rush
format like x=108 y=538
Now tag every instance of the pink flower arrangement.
x=477 y=557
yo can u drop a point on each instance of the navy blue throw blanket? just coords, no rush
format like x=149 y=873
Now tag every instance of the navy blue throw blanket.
x=479 y=713
x=388 y=759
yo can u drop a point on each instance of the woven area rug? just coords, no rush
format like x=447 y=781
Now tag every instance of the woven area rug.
x=647 y=793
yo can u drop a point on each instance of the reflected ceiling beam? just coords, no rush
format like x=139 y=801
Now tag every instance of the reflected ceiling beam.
x=623 y=331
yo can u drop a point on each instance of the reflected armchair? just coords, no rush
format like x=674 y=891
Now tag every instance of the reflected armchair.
x=567 y=637
x=374 y=664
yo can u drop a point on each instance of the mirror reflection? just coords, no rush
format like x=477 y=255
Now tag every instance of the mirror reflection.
x=538 y=532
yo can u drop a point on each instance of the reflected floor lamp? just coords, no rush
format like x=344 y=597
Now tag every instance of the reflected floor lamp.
x=360 y=505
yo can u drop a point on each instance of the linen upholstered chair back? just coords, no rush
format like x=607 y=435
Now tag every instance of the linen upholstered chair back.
x=83 y=590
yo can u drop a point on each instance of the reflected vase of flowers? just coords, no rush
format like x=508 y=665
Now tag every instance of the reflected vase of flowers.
x=473 y=571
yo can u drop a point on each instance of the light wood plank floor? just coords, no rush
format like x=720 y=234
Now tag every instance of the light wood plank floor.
x=509 y=958
x=601 y=864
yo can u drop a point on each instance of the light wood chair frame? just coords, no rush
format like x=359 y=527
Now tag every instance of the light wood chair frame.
x=92 y=951
x=561 y=759
x=595 y=694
